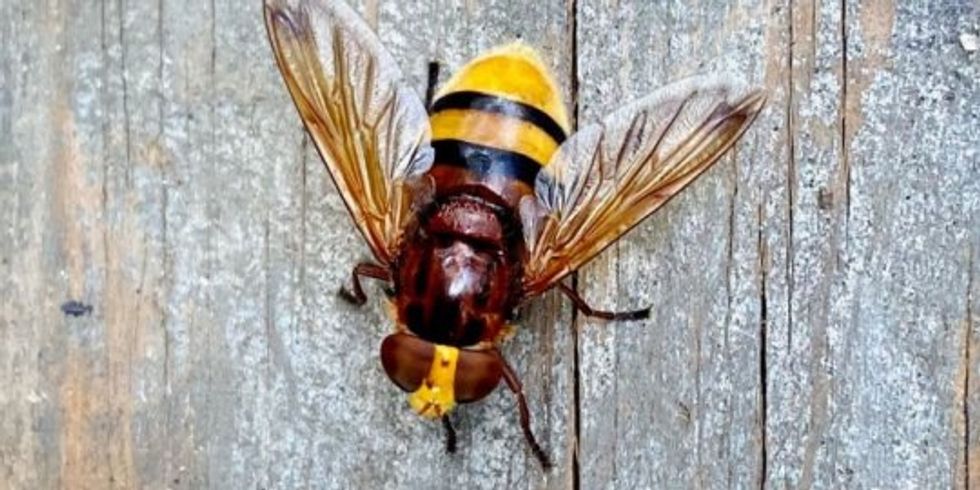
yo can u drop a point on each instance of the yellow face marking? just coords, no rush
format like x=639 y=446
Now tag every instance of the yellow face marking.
x=513 y=71
x=494 y=130
x=435 y=396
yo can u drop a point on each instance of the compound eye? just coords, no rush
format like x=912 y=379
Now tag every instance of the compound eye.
x=477 y=374
x=406 y=359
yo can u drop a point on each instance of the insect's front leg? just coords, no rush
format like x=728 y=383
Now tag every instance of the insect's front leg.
x=367 y=269
x=587 y=310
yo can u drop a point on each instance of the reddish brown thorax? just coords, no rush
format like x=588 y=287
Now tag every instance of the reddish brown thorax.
x=459 y=279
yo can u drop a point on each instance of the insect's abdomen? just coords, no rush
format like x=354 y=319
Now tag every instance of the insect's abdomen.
x=496 y=122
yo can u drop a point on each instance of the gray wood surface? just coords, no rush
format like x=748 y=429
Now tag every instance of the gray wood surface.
x=815 y=296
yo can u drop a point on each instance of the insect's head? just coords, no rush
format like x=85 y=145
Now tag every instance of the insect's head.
x=438 y=376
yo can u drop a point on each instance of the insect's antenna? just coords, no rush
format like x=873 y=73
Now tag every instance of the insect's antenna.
x=430 y=88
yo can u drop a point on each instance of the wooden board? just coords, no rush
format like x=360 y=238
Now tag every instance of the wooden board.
x=155 y=168
x=677 y=397
x=812 y=295
x=815 y=296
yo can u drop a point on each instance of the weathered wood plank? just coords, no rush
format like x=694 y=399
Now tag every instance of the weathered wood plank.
x=880 y=260
x=863 y=357
x=815 y=296
x=70 y=378
x=677 y=400
x=910 y=136
x=154 y=167
x=800 y=406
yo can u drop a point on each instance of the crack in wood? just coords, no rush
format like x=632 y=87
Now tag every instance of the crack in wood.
x=167 y=268
x=790 y=180
x=166 y=273
x=844 y=148
x=572 y=50
x=967 y=346
x=125 y=94
x=763 y=347
x=576 y=394
x=212 y=210
x=267 y=306
x=303 y=203
x=729 y=299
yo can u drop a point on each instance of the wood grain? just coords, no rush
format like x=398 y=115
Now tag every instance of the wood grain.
x=816 y=296
x=679 y=399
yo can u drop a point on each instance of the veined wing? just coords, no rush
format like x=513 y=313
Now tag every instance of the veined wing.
x=369 y=127
x=608 y=177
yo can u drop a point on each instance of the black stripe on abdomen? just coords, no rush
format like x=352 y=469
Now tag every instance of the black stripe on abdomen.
x=499 y=105
x=483 y=160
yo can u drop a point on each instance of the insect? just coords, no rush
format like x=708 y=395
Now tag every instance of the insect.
x=483 y=198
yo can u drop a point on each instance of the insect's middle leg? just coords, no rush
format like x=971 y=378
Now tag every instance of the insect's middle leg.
x=366 y=269
x=587 y=310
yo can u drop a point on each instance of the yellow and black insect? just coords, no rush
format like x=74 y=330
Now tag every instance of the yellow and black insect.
x=487 y=198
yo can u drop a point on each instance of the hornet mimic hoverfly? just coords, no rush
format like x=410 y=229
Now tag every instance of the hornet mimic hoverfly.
x=483 y=197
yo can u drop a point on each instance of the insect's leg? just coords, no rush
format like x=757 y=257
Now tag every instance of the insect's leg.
x=515 y=385
x=450 y=434
x=430 y=89
x=357 y=296
x=587 y=310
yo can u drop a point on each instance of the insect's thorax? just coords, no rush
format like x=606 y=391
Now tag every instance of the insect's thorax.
x=458 y=279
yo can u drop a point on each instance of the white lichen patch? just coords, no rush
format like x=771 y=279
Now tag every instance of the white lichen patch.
x=970 y=42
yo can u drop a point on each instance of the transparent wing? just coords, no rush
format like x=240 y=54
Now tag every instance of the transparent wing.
x=370 y=128
x=608 y=177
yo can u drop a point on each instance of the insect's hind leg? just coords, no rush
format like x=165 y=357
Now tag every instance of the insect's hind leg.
x=510 y=377
x=587 y=310
x=366 y=269
x=430 y=88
